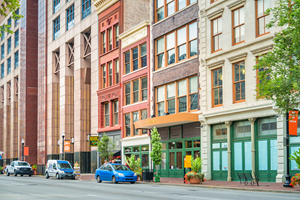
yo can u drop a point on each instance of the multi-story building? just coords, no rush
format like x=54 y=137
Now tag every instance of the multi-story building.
x=19 y=82
x=174 y=82
x=72 y=81
x=115 y=17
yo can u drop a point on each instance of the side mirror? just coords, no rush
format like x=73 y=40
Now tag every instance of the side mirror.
x=54 y=168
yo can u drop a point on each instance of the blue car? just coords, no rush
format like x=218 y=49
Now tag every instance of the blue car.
x=115 y=173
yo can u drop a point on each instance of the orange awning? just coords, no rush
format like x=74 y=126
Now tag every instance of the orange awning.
x=166 y=120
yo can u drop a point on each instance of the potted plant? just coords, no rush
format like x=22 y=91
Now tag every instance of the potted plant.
x=34 y=168
x=295 y=180
x=134 y=165
x=194 y=177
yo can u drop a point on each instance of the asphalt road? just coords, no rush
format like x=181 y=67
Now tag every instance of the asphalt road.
x=13 y=188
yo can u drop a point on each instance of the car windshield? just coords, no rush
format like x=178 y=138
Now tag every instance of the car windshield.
x=64 y=166
x=22 y=164
x=120 y=167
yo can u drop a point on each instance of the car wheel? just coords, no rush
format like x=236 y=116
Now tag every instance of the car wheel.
x=15 y=173
x=132 y=182
x=29 y=175
x=21 y=174
x=7 y=174
x=57 y=177
x=113 y=180
x=98 y=179
x=47 y=175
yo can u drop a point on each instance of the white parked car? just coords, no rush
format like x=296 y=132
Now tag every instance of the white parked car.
x=18 y=167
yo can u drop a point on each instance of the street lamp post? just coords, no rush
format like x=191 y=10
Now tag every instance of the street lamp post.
x=287 y=177
x=63 y=144
x=22 y=141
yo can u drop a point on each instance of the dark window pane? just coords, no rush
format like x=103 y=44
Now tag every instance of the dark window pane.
x=127 y=57
x=194 y=101
x=237 y=91
x=127 y=68
x=171 y=106
x=160 y=61
x=144 y=95
x=145 y=160
x=172 y=145
x=188 y=144
x=160 y=108
x=143 y=49
x=127 y=88
x=182 y=104
x=181 y=52
x=160 y=14
x=144 y=61
x=135 y=65
x=144 y=83
x=196 y=143
x=193 y=48
x=135 y=53
x=171 y=56
x=179 y=145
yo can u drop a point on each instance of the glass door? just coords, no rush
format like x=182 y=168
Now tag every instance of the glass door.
x=267 y=164
x=219 y=161
x=242 y=158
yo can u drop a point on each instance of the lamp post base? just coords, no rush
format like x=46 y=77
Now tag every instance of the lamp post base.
x=287 y=181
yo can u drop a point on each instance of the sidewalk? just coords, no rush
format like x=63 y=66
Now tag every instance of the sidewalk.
x=233 y=185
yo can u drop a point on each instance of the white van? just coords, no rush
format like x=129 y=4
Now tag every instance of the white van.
x=59 y=169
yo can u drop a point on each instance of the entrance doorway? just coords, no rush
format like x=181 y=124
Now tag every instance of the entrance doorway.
x=219 y=161
x=242 y=158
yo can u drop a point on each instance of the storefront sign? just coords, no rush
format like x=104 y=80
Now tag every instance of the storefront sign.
x=94 y=141
x=67 y=146
x=293 y=122
x=151 y=121
x=187 y=161
x=77 y=171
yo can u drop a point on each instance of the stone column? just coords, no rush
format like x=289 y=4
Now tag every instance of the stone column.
x=228 y=124
x=252 y=120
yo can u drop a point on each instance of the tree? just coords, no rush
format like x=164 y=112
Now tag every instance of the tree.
x=105 y=147
x=134 y=165
x=6 y=7
x=156 y=150
x=279 y=69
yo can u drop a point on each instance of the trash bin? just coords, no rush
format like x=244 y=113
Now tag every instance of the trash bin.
x=147 y=175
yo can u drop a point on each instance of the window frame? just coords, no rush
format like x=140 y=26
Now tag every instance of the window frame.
x=131 y=60
x=132 y=129
x=2 y=70
x=105 y=39
x=104 y=77
x=216 y=35
x=116 y=34
x=187 y=95
x=115 y=112
x=3 y=51
x=139 y=91
x=17 y=38
x=55 y=3
x=9 y=45
x=110 y=73
x=56 y=26
x=212 y=87
x=86 y=11
x=233 y=82
x=16 y=56
x=106 y=114
x=9 y=65
x=176 y=46
x=165 y=8
x=70 y=13
x=117 y=73
x=103 y=42
x=234 y=27
x=257 y=20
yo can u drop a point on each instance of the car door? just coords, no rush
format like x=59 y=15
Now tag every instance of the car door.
x=109 y=173
x=54 y=169
x=11 y=168
x=103 y=172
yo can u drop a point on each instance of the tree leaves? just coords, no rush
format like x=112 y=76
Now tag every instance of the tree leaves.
x=12 y=6
x=105 y=147
x=156 y=147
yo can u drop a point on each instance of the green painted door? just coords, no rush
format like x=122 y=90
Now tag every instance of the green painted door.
x=175 y=164
x=266 y=159
x=219 y=164
x=241 y=158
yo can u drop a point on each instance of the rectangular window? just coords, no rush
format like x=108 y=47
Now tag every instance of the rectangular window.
x=116 y=112
x=261 y=18
x=2 y=51
x=267 y=126
x=219 y=132
x=238 y=26
x=103 y=42
x=106 y=114
x=56 y=5
x=86 y=8
x=239 y=82
x=2 y=70
x=9 y=45
x=103 y=76
x=110 y=74
x=17 y=38
x=217 y=89
x=117 y=71
x=17 y=20
x=8 y=65
x=110 y=46
x=242 y=129
x=127 y=125
x=176 y=97
x=70 y=17
x=139 y=91
x=216 y=34
x=135 y=116
x=9 y=22
x=2 y=35
x=16 y=59
x=135 y=58
x=116 y=35
x=56 y=28
x=165 y=8
x=177 y=46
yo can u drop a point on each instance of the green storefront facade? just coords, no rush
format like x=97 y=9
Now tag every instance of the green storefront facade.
x=177 y=142
x=241 y=150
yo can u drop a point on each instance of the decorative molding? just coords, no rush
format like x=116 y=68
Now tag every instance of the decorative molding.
x=236 y=4
x=102 y=5
x=238 y=57
x=216 y=64
x=228 y=123
x=202 y=12
x=262 y=50
x=215 y=14
x=134 y=34
x=252 y=120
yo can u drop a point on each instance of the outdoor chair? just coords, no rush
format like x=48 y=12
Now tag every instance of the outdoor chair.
x=242 y=178
x=252 y=179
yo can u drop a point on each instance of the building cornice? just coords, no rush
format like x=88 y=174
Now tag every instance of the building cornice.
x=262 y=50
x=238 y=57
x=215 y=14
x=216 y=64
x=236 y=4
x=102 y=5
x=134 y=34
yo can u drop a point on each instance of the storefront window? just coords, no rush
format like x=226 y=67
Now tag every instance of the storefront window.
x=164 y=146
x=196 y=154
x=145 y=148
x=224 y=161
x=216 y=160
x=219 y=132
x=248 y=156
x=179 y=160
x=172 y=145
x=242 y=129
x=136 y=149
x=188 y=144
x=178 y=145
x=145 y=161
x=263 y=155
x=127 y=149
x=295 y=139
x=274 y=163
x=163 y=160
x=172 y=160
x=216 y=145
x=238 y=156
x=267 y=126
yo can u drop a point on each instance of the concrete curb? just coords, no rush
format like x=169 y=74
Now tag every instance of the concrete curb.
x=221 y=187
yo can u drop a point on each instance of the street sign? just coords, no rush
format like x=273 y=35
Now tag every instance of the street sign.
x=187 y=161
x=94 y=141
x=293 y=122
x=67 y=147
